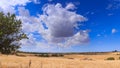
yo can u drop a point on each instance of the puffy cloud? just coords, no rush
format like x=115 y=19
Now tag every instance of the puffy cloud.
x=61 y=24
x=59 y=28
x=9 y=5
x=32 y=44
x=31 y=25
x=70 y=6
x=114 y=31
x=23 y=12
x=28 y=21
x=79 y=38
x=30 y=41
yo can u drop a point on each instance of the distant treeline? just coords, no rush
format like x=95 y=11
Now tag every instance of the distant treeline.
x=62 y=54
x=40 y=54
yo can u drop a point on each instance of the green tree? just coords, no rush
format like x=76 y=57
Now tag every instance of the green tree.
x=10 y=33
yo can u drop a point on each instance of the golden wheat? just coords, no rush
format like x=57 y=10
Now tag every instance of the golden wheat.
x=68 y=61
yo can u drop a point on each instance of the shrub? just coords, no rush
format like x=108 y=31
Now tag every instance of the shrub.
x=61 y=55
x=70 y=58
x=57 y=55
x=20 y=55
x=39 y=55
x=110 y=58
x=119 y=58
x=54 y=55
x=44 y=55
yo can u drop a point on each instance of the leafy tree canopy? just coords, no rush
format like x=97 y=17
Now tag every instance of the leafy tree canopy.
x=10 y=33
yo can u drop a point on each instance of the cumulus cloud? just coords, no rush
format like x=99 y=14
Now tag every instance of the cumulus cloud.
x=31 y=25
x=113 y=31
x=28 y=21
x=78 y=38
x=61 y=25
x=6 y=3
x=70 y=6
x=23 y=12
x=9 y=5
x=32 y=44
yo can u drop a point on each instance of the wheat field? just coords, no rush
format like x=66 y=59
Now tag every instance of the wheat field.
x=68 y=61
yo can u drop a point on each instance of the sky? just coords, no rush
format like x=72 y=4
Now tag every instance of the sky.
x=67 y=25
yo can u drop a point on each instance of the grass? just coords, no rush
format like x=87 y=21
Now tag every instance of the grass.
x=77 y=61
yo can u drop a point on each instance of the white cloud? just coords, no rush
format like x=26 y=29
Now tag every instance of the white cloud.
x=60 y=27
x=79 y=38
x=59 y=20
x=61 y=24
x=29 y=23
x=70 y=6
x=9 y=5
x=33 y=45
x=114 y=31
x=30 y=41
x=23 y=12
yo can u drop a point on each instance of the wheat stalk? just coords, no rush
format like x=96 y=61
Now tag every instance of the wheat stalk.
x=29 y=63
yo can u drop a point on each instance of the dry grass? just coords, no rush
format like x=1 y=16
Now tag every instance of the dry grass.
x=68 y=61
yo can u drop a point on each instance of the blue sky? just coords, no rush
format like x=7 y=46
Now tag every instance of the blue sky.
x=67 y=25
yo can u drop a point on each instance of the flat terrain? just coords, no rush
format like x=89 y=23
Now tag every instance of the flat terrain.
x=68 y=61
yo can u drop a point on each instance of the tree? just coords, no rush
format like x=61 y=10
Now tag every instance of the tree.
x=10 y=33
